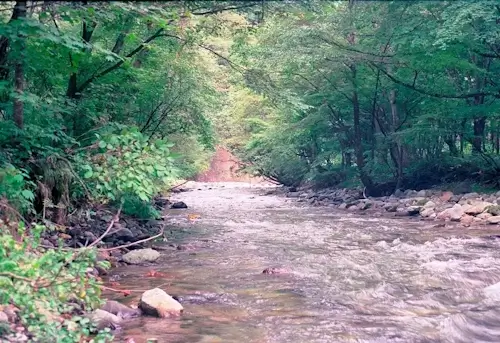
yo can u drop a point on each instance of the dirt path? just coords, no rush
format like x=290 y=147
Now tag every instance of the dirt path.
x=350 y=278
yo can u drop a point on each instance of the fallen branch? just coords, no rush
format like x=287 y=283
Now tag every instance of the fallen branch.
x=116 y=218
x=171 y=189
x=136 y=242
x=129 y=290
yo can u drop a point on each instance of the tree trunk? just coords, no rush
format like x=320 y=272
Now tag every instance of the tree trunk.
x=19 y=83
x=19 y=11
x=358 y=144
x=477 y=140
x=397 y=154
x=450 y=141
x=72 y=91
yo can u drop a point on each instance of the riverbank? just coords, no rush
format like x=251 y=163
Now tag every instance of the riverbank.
x=54 y=265
x=466 y=208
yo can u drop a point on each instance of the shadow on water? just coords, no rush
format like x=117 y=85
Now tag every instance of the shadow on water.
x=352 y=278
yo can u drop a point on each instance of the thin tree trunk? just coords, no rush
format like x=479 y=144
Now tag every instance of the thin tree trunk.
x=19 y=83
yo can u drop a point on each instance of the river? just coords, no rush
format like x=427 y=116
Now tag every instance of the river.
x=352 y=278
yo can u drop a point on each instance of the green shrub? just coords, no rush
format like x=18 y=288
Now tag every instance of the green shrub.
x=128 y=163
x=138 y=208
x=45 y=285
x=15 y=188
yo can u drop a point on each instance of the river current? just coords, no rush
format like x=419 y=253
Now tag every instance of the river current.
x=350 y=277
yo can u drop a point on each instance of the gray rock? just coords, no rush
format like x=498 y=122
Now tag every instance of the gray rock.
x=398 y=193
x=454 y=213
x=124 y=234
x=429 y=204
x=493 y=220
x=90 y=236
x=103 y=319
x=107 y=218
x=343 y=206
x=422 y=193
x=156 y=302
x=413 y=210
x=4 y=317
x=427 y=212
x=477 y=207
x=141 y=256
x=293 y=194
x=410 y=193
x=469 y=196
x=178 y=205
x=120 y=310
x=391 y=207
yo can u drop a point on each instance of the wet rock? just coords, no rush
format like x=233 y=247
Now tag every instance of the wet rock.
x=493 y=220
x=427 y=212
x=446 y=196
x=343 y=206
x=103 y=319
x=293 y=195
x=185 y=247
x=120 y=310
x=364 y=205
x=161 y=202
x=413 y=210
x=141 y=256
x=467 y=219
x=156 y=302
x=390 y=207
x=178 y=205
x=274 y=270
x=123 y=234
x=484 y=215
x=469 y=196
x=429 y=204
x=454 y=213
x=477 y=208
x=420 y=201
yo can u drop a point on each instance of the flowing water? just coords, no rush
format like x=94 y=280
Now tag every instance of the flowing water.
x=352 y=278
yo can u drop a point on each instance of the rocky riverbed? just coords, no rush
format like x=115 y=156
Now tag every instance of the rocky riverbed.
x=468 y=208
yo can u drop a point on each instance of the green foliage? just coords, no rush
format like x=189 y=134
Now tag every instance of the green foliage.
x=47 y=286
x=138 y=208
x=16 y=188
x=399 y=93
x=128 y=163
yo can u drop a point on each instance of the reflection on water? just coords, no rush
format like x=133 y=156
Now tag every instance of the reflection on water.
x=352 y=278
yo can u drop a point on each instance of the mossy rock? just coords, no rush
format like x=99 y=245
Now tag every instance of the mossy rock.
x=421 y=202
x=494 y=210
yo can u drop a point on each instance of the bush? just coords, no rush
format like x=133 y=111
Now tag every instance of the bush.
x=128 y=163
x=16 y=189
x=50 y=288
x=138 y=208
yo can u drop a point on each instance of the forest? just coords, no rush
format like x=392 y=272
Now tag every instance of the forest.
x=112 y=103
